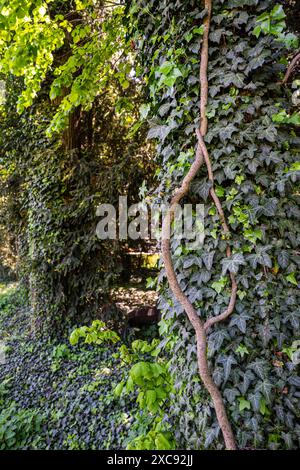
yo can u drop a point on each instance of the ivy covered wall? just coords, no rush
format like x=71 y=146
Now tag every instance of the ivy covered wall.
x=254 y=149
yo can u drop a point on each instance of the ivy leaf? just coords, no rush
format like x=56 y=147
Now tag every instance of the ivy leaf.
x=278 y=13
x=288 y=439
x=216 y=35
x=244 y=404
x=241 y=19
x=255 y=399
x=225 y=133
x=219 y=286
x=255 y=63
x=144 y=111
x=231 y=78
x=232 y=264
x=214 y=90
x=159 y=132
x=166 y=68
x=265 y=387
x=191 y=261
x=270 y=134
x=164 y=108
x=210 y=435
x=295 y=119
x=218 y=376
x=248 y=378
x=292 y=279
x=230 y=394
x=193 y=294
x=203 y=189
x=171 y=79
x=293 y=318
x=227 y=362
x=259 y=367
x=216 y=340
x=283 y=259
x=269 y=208
x=240 y=321
x=208 y=259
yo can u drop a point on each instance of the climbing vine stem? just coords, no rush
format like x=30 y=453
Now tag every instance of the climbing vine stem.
x=199 y=326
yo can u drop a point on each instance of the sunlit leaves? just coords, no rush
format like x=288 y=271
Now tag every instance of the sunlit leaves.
x=33 y=38
x=283 y=117
x=168 y=73
x=97 y=333
x=271 y=23
x=28 y=50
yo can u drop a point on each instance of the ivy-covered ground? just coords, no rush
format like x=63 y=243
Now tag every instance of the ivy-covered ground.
x=54 y=395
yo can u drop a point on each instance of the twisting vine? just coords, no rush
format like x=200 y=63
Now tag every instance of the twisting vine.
x=291 y=68
x=199 y=326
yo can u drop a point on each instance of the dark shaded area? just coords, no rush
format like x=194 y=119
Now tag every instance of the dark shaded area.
x=292 y=10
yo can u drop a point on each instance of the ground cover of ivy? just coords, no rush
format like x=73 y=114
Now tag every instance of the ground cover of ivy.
x=54 y=395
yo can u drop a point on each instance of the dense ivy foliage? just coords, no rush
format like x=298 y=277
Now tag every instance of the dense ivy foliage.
x=57 y=396
x=256 y=164
x=52 y=186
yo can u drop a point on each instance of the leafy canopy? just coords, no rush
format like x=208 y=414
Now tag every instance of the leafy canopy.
x=81 y=50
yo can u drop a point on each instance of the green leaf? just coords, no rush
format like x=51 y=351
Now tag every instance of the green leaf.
x=242 y=350
x=162 y=442
x=278 y=13
x=166 y=68
x=294 y=119
x=150 y=397
x=262 y=406
x=265 y=387
x=219 y=286
x=199 y=30
x=244 y=404
x=259 y=367
x=119 y=389
x=232 y=264
x=144 y=110
x=283 y=259
x=295 y=167
x=227 y=362
x=292 y=279
x=257 y=30
x=159 y=132
x=129 y=385
x=240 y=320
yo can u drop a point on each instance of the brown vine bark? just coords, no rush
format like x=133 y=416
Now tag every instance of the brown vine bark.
x=291 y=67
x=199 y=326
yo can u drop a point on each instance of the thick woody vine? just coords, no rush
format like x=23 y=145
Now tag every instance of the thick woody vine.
x=199 y=326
